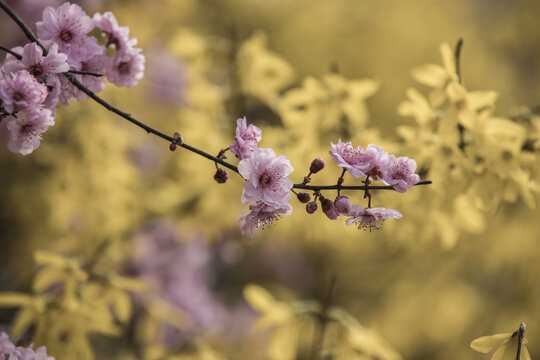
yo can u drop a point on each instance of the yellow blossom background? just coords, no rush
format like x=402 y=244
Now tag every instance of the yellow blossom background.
x=462 y=263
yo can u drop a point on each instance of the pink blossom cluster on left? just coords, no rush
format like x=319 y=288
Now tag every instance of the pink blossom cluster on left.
x=32 y=84
x=267 y=186
x=9 y=351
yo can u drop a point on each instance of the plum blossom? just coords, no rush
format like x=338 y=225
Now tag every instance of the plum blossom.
x=127 y=68
x=36 y=64
x=21 y=91
x=246 y=140
x=399 y=172
x=6 y=346
x=266 y=178
x=370 y=218
x=68 y=26
x=117 y=36
x=357 y=161
x=261 y=215
x=24 y=130
x=21 y=353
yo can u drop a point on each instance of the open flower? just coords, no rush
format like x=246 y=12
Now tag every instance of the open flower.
x=370 y=218
x=357 y=161
x=21 y=353
x=21 y=91
x=266 y=178
x=68 y=26
x=261 y=214
x=399 y=172
x=246 y=140
x=24 y=131
x=504 y=345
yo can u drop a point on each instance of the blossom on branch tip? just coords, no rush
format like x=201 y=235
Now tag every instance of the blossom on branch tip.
x=399 y=172
x=246 y=139
x=263 y=215
x=370 y=218
x=266 y=178
x=127 y=68
x=21 y=91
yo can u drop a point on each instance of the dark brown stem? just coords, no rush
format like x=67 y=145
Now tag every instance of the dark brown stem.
x=457 y=58
x=18 y=56
x=318 y=336
x=85 y=73
x=359 y=187
x=520 y=333
x=340 y=181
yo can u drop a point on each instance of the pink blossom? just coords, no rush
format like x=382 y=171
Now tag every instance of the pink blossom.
x=24 y=130
x=68 y=26
x=127 y=68
x=117 y=36
x=246 y=140
x=263 y=215
x=6 y=346
x=21 y=353
x=21 y=91
x=357 y=161
x=400 y=173
x=370 y=218
x=266 y=178
x=36 y=64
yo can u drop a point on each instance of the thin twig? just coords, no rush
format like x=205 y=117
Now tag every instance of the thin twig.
x=359 y=187
x=18 y=56
x=78 y=72
x=520 y=333
x=457 y=60
x=27 y=31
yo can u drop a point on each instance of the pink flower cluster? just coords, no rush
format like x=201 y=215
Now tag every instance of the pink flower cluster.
x=32 y=86
x=267 y=185
x=376 y=164
x=9 y=351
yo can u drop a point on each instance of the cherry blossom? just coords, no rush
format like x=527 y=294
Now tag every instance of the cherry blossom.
x=36 y=64
x=262 y=215
x=370 y=218
x=246 y=140
x=21 y=91
x=399 y=172
x=266 y=178
x=24 y=130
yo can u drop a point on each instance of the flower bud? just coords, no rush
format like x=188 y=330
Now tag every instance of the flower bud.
x=221 y=176
x=326 y=204
x=332 y=214
x=316 y=166
x=311 y=207
x=172 y=146
x=342 y=204
x=303 y=197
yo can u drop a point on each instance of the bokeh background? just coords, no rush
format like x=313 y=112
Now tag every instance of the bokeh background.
x=462 y=263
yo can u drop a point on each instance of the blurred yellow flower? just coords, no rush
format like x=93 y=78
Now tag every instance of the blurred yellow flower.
x=505 y=345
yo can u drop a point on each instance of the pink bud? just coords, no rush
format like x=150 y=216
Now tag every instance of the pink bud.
x=316 y=166
x=343 y=205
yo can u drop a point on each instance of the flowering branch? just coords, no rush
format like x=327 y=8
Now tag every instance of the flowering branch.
x=41 y=78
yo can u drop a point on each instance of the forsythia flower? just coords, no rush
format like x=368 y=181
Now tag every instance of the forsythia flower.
x=505 y=345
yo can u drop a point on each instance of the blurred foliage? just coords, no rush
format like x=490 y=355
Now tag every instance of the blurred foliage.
x=461 y=263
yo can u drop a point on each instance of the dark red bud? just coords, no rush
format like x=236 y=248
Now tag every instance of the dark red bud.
x=332 y=214
x=326 y=204
x=316 y=166
x=311 y=207
x=303 y=197
x=172 y=146
x=221 y=176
